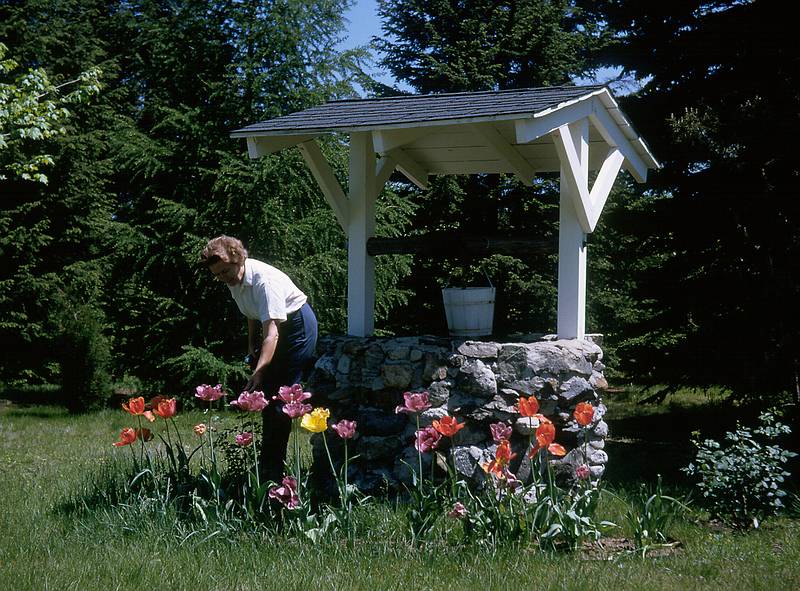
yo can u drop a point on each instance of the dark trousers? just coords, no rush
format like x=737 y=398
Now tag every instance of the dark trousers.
x=294 y=355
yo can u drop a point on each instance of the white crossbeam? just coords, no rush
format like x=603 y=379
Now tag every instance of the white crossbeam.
x=412 y=169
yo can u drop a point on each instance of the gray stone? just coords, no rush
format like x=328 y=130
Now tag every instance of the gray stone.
x=377 y=447
x=526 y=426
x=326 y=366
x=434 y=368
x=528 y=387
x=397 y=375
x=375 y=421
x=376 y=384
x=479 y=349
x=456 y=360
x=598 y=457
x=439 y=392
x=575 y=390
x=600 y=429
x=504 y=404
x=475 y=378
x=598 y=381
x=344 y=364
x=596 y=472
x=466 y=458
x=397 y=353
x=432 y=414
x=415 y=355
x=597 y=443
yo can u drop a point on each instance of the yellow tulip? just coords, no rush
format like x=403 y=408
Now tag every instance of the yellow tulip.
x=316 y=421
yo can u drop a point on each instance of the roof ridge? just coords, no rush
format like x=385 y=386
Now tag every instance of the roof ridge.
x=586 y=87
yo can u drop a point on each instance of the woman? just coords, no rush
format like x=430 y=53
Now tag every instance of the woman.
x=282 y=335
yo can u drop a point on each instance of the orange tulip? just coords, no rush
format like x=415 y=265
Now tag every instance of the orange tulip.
x=448 y=426
x=502 y=457
x=126 y=437
x=164 y=407
x=200 y=429
x=557 y=449
x=545 y=435
x=528 y=406
x=584 y=413
x=135 y=406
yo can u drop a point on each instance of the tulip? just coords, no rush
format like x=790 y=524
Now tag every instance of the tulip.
x=144 y=434
x=244 y=439
x=584 y=414
x=293 y=393
x=414 y=402
x=296 y=409
x=502 y=457
x=345 y=429
x=316 y=421
x=528 y=407
x=135 y=406
x=209 y=394
x=286 y=493
x=459 y=511
x=500 y=431
x=427 y=439
x=448 y=426
x=126 y=437
x=582 y=472
x=164 y=407
x=200 y=429
x=251 y=401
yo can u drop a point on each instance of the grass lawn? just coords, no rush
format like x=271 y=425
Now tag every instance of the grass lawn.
x=49 y=458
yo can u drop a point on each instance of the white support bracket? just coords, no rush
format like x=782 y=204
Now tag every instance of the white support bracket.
x=409 y=167
x=522 y=169
x=383 y=170
x=258 y=146
x=587 y=204
x=323 y=173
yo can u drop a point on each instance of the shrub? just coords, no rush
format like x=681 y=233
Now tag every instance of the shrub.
x=85 y=359
x=741 y=479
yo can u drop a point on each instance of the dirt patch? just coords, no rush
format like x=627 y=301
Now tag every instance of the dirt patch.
x=612 y=548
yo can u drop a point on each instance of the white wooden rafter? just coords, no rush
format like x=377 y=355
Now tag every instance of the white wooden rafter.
x=258 y=146
x=508 y=153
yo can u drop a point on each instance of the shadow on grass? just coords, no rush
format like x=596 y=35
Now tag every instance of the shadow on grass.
x=651 y=439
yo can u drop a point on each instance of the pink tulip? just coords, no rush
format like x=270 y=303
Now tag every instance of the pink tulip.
x=293 y=393
x=244 y=439
x=209 y=394
x=582 y=472
x=286 y=493
x=251 y=401
x=428 y=439
x=414 y=402
x=500 y=431
x=295 y=410
x=459 y=511
x=345 y=429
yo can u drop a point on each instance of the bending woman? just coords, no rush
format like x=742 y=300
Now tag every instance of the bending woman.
x=282 y=335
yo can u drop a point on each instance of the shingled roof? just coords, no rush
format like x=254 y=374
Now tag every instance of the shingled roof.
x=366 y=114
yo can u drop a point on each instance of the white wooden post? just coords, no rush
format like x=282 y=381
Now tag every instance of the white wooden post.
x=361 y=226
x=572 y=244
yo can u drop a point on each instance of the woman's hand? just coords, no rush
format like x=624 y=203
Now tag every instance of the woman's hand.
x=254 y=383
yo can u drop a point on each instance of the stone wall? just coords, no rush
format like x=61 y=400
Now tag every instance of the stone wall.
x=363 y=379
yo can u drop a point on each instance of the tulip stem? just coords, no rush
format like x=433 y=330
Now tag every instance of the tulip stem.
x=419 y=456
x=255 y=453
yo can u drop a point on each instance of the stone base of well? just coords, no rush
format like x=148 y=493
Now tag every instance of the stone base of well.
x=363 y=379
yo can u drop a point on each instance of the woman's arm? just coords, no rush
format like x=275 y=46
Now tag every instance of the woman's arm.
x=268 y=346
x=253 y=336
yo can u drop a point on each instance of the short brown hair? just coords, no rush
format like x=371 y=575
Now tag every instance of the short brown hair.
x=223 y=248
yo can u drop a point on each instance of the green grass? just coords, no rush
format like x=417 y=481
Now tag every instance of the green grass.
x=49 y=459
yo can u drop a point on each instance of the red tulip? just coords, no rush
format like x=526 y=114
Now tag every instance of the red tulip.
x=528 y=406
x=448 y=426
x=126 y=437
x=135 y=406
x=164 y=407
x=584 y=414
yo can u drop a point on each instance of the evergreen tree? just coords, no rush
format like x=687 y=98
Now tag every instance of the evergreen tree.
x=719 y=101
